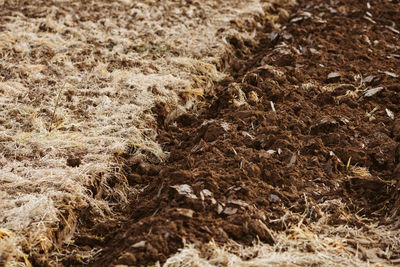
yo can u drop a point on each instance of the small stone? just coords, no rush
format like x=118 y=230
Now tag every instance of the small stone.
x=274 y=198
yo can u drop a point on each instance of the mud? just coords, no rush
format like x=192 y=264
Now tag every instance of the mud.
x=304 y=110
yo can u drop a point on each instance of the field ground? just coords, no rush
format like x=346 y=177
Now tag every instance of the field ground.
x=211 y=133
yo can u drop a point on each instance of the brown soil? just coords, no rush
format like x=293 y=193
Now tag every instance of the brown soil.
x=287 y=129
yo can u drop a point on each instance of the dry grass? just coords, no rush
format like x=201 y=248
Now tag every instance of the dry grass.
x=355 y=241
x=76 y=83
x=304 y=243
x=78 y=79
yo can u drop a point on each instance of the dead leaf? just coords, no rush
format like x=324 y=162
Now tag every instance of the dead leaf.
x=391 y=74
x=368 y=79
x=219 y=209
x=230 y=211
x=333 y=75
x=239 y=202
x=373 y=91
x=185 y=212
x=140 y=244
x=185 y=190
x=390 y=113
x=292 y=160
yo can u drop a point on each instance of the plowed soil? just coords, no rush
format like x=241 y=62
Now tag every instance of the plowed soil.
x=308 y=115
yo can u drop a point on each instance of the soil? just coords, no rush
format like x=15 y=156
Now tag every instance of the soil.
x=301 y=111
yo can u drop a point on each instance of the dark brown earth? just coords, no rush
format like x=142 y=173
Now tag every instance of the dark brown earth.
x=318 y=97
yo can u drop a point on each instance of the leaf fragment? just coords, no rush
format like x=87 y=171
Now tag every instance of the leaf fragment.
x=373 y=91
x=391 y=74
x=185 y=190
x=230 y=211
x=185 y=212
x=292 y=160
x=333 y=75
x=140 y=244
x=368 y=79
x=390 y=113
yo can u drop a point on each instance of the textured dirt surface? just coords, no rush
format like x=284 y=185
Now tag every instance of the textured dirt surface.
x=308 y=116
x=303 y=131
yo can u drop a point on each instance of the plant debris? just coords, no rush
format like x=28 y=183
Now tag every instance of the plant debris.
x=373 y=91
x=270 y=163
